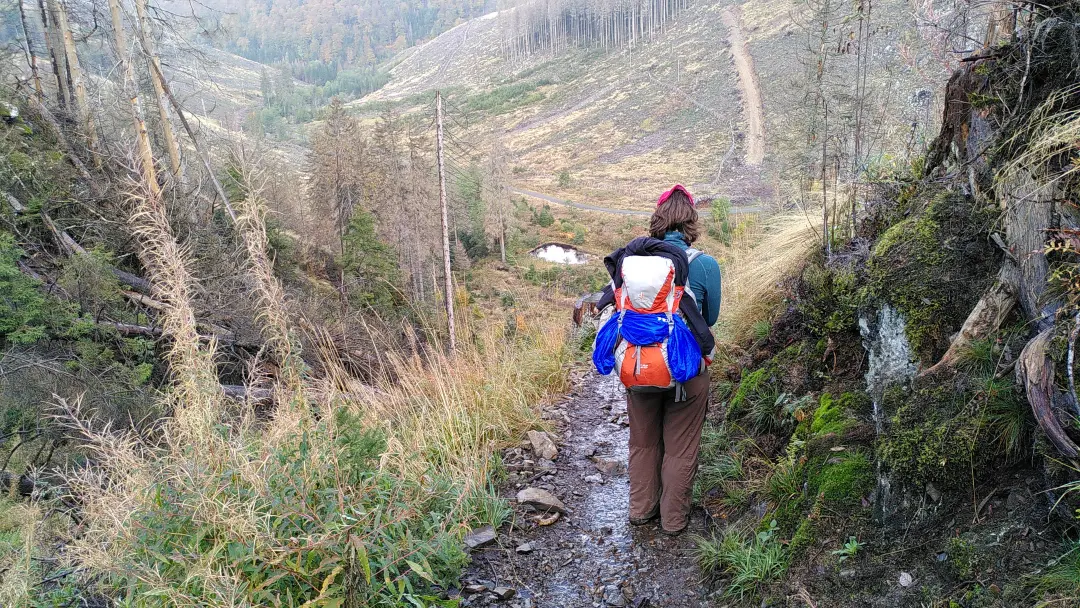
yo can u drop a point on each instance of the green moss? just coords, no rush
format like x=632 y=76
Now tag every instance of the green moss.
x=932 y=437
x=962 y=557
x=842 y=480
x=749 y=387
x=831 y=299
x=834 y=415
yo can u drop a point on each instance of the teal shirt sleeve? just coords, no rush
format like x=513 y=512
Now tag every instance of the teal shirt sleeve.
x=704 y=279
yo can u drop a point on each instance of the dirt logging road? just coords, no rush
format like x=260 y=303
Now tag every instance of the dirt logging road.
x=753 y=108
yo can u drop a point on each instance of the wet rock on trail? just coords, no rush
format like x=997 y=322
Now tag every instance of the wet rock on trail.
x=577 y=549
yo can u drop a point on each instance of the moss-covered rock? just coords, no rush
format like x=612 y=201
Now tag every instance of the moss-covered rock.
x=837 y=414
x=925 y=440
x=933 y=266
x=843 y=479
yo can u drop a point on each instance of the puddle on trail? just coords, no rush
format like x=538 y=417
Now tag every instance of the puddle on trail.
x=560 y=254
x=593 y=557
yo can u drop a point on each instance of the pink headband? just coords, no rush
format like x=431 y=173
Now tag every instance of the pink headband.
x=676 y=188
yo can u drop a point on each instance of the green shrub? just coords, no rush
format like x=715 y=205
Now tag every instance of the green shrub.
x=352 y=534
x=718 y=223
x=506 y=98
x=564 y=178
x=26 y=314
x=543 y=218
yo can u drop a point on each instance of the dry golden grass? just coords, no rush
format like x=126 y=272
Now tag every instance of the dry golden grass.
x=757 y=264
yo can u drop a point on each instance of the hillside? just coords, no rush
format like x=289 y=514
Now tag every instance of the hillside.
x=683 y=108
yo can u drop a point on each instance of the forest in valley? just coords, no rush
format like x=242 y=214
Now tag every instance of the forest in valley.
x=286 y=293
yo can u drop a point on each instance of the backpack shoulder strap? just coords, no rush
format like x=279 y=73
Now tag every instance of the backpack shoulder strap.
x=693 y=254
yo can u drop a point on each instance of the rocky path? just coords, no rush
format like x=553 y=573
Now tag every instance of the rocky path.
x=589 y=556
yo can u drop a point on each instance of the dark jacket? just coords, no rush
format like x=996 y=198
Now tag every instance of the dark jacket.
x=645 y=245
x=703 y=278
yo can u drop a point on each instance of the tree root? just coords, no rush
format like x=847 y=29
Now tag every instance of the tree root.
x=986 y=318
x=1035 y=372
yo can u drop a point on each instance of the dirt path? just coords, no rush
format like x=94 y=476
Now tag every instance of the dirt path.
x=590 y=557
x=748 y=84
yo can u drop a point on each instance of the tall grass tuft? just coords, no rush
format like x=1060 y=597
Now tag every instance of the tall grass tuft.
x=755 y=271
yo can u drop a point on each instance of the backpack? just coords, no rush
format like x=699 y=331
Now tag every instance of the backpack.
x=654 y=350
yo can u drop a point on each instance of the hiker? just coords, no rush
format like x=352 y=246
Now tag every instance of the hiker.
x=666 y=296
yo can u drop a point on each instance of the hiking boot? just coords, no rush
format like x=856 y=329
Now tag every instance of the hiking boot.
x=673 y=533
x=641 y=521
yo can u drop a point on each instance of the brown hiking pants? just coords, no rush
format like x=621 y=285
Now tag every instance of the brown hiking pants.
x=665 y=438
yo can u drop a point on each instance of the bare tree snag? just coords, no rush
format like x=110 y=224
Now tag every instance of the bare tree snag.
x=203 y=157
x=55 y=45
x=31 y=57
x=146 y=41
x=986 y=318
x=78 y=82
x=445 y=223
x=1001 y=25
x=131 y=90
x=1035 y=373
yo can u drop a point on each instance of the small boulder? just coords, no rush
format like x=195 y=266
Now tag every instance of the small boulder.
x=473 y=589
x=504 y=593
x=597 y=478
x=608 y=466
x=524 y=548
x=542 y=445
x=542 y=500
x=480 y=537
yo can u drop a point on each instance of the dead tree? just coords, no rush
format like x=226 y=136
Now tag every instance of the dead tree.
x=146 y=41
x=445 y=224
x=131 y=91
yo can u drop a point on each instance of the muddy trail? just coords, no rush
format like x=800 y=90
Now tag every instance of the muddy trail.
x=590 y=556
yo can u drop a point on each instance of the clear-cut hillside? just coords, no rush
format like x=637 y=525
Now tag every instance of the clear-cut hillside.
x=625 y=123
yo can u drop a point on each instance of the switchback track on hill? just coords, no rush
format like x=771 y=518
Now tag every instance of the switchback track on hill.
x=591 y=556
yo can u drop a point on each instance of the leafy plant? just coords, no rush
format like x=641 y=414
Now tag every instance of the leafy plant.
x=719 y=220
x=850 y=549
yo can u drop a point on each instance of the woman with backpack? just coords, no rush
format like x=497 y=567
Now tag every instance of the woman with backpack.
x=666 y=296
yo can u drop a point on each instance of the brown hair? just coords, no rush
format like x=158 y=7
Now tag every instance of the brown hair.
x=676 y=214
